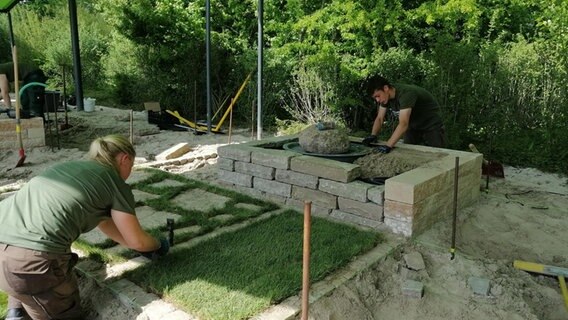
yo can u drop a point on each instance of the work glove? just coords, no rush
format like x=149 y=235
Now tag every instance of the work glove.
x=369 y=139
x=161 y=251
x=383 y=149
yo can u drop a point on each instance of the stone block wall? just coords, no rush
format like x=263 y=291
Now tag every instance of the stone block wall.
x=407 y=204
x=33 y=133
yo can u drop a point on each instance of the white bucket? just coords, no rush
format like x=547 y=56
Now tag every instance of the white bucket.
x=89 y=104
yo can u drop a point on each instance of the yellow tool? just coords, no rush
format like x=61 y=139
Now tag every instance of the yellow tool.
x=217 y=129
x=559 y=272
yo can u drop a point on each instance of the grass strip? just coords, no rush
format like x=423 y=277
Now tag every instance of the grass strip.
x=3 y=304
x=237 y=275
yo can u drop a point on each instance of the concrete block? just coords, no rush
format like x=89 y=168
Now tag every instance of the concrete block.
x=273 y=187
x=279 y=159
x=226 y=164
x=367 y=210
x=326 y=168
x=399 y=227
x=355 y=190
x=236 y=178
x=317 y=197
x=255 y=170
x=297 y=178
x=413 y=289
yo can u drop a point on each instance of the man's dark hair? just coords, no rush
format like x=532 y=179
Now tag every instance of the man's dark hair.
x=376 y=82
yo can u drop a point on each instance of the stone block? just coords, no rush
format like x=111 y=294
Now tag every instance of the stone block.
x=279 y=159
x=376 y=194
x=355 y=219
x=200 y=200
x=367 y=210
x=255 y=170
x=399 y=227
x=414 y=261
x=236 y=178
x=315 y=209
x=297 y=178
x=236 y=152
x=355 y=190
x=174 y=152
x=317 y=197
x=271 y=186
x=411 y=288
x=326 y=168
x=36 y=133
x=226 y=164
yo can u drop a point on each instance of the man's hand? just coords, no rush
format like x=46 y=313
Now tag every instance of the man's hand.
x=369 y=139
x=383 y=149
x=161 y=251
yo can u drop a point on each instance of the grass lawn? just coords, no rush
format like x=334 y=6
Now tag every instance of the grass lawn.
x=237 y=275
x=3 y=304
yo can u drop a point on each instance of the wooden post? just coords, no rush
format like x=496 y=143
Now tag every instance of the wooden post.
x=306 y=260
x=230 y=122
x=131 y=126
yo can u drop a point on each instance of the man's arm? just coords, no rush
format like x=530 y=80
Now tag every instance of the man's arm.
x=403 y=121
x=379 y=120
x=125 y=229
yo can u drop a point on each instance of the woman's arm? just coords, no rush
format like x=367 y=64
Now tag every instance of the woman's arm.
x=125 y=229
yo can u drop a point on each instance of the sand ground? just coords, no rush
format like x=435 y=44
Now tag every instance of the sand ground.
x=521 y=217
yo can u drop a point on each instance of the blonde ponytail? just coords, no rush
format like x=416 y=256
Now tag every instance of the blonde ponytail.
x=104 y=150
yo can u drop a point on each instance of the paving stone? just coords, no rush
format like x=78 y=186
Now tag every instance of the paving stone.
x=414 y=261
x=167 y=183
x=137 y=176
x=150 y=218
x=411 y=288
x=248 y=206
x=94 y=237
x=190 y=229
x=158 y=309
x=198 y=199
x=479 y=286
x=143 y=196
x=222 y=217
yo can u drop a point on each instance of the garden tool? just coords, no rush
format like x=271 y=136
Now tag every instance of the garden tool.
x=489 y=167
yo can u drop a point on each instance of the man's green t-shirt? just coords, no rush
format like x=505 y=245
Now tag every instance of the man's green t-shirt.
x=23 y=69
x=55 y=207
x=425 y=109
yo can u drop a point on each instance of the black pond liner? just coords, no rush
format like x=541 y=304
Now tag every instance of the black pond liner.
x=355 y=151
x=375 y=180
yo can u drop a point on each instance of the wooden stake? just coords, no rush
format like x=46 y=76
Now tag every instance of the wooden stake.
x=131 y=126
x=306 y=260
x=230 y=122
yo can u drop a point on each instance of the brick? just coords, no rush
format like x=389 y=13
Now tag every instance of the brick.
x=237 y=178
x=273 y=187
x=326 y=168
x=317 y=197
x=355 y=190
x=297 y=178
x=279 y=159
x=255 y=170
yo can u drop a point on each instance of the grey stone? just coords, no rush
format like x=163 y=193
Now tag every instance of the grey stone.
x=222 y=217
x=167 y=183
x=150 y=218
x=248 y=206
x=201 y=200
x=330 y=141
x=137 y=176
x=479 y=286
x=411 y=288
x=143 y=196
x=414 y=261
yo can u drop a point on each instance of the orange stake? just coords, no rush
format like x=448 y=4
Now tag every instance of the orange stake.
x=306 y=261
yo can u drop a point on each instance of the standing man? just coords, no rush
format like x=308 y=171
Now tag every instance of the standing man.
x=419 y=114
x=26 y=73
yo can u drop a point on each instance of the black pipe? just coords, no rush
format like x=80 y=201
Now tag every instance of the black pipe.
x=76 y=54
x=12 y=41
x=170 y=224
x=455 y=214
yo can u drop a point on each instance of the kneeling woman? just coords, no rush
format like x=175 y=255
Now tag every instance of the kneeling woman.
x=40 y=222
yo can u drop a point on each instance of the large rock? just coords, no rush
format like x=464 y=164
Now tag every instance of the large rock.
x=328 y=141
